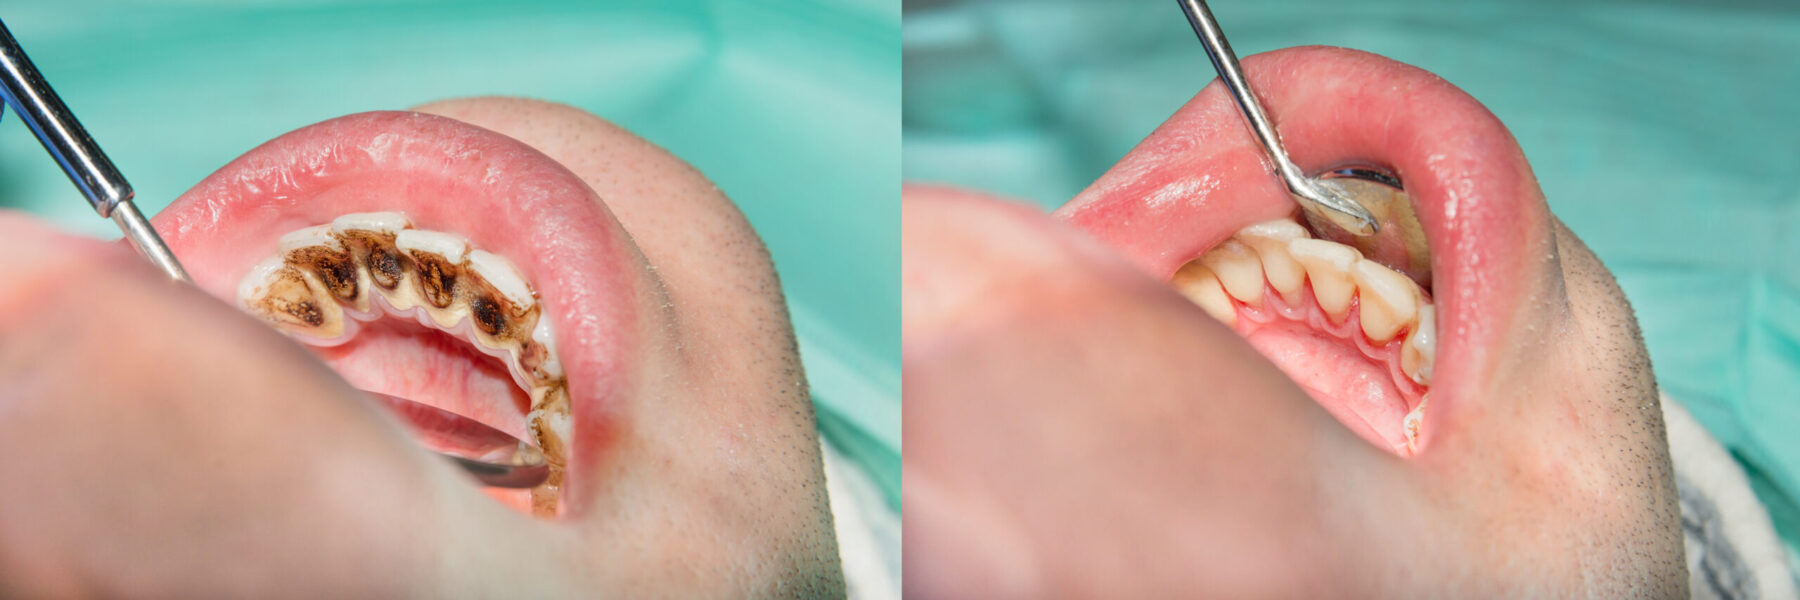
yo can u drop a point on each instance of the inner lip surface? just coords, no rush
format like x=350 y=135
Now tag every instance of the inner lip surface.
x=448 y=176
x=1199 y=178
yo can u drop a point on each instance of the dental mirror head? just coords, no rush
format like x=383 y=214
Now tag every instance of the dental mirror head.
x=1401 y=244
x=495 y=458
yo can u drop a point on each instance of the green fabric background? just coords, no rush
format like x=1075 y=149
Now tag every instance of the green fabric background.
x=1666 y=135
x=790 y=106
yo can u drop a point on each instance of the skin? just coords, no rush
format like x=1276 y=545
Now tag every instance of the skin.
x=1058 y=389
x=210 y=456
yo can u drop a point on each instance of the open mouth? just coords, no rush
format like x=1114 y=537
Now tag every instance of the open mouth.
x=1391 y=356
x=429 y=259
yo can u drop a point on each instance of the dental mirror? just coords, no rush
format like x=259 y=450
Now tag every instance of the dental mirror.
x=1348 y=205
x=1401 y=245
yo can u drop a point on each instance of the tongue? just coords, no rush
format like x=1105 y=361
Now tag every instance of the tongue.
x=1356 y=389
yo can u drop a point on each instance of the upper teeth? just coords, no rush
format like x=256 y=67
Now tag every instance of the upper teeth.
x=1281 y=255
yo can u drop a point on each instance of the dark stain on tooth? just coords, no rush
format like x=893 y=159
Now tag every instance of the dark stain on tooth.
x=304 y=311
x=437 y=280
x=489 y=317
x=334 y=268
x=384 y=266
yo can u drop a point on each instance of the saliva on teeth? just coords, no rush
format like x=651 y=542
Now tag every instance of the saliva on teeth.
x=325 y=280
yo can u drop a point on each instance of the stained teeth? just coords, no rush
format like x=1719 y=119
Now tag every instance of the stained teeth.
x=328 y=279
x=1328 y=266
x=1238 y=269
x=1202 y=287
x=451 y=247
x=384 y=222
x=542 y=336
x=1270 y=239
x=1389 y=300
x=1419 y=352
x=501 y=274
x=318 y=235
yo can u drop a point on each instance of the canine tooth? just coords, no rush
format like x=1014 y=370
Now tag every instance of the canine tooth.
x=1270 y=239
x=1202 y=287
x=1419 y=353
x=317 y=235
x=542 y=336
x=452 y=247
x=1389 y=300
x=1328 y=266
x=501 y=274
x=385 y=222
x=1238 y=269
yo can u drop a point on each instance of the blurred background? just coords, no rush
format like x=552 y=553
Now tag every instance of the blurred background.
x=1665 y=134
x=788 y=105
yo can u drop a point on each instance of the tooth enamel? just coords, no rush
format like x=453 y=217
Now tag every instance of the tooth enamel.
x=1202 y=287
x=1389 y=300
x=1328 y=266
x=1419 y=353
x=256 y=282
x=317 y=235
x=1414 y=421
x=384 y=222
x=451 y=247
x=1238 y=269
x=501 y=274
x=1270 y=239
x=542 y=336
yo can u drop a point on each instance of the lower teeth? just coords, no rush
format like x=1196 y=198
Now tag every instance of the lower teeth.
x=1282 y=257
x=318 y=290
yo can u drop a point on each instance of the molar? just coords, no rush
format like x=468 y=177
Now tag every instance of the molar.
x=1390 y=300
x=1270 y=239
x=1328 y=266
x=1238 y=269
x=1202 y=287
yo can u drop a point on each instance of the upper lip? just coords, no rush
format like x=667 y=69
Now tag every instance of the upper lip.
x=1199 y=178
x=444 y=175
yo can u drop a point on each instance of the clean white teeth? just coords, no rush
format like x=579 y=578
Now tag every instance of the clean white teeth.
x=451 y=247
x=384 y=222
x=501 y=274
x=317 y=235
x=1389 y=300
x=1419 y=353
x=542 y=335
x=1270 y=239
x=1238 y=269
x=1328 y=266
x=1283 y=254
x=1202 y=287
